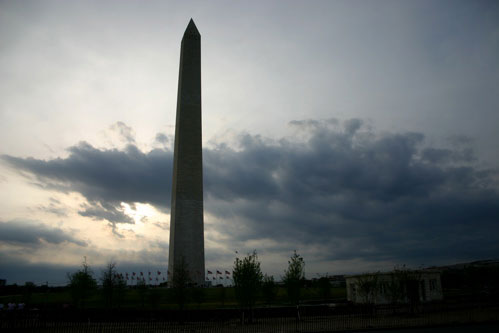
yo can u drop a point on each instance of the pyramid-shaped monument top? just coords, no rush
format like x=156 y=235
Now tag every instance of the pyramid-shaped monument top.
x=191 y=31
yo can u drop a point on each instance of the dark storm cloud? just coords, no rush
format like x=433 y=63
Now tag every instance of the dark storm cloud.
x=105 y=177
x=33 y=234
x=338 y=187
x=358 y=194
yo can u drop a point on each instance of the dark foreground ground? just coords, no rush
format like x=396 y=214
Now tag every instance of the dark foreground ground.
x=475 y=328
x=309 y=319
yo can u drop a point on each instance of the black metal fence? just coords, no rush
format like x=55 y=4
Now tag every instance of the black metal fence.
x=312 y=319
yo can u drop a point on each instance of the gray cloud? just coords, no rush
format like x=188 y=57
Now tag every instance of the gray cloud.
x=161 y=138
x=105 y=177
x=358 y=195
x=29 y=233
x=343 y=190
x=104 y=211
x=54 y=207
x=125 y=132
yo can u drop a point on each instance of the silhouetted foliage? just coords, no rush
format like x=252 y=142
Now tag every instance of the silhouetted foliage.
x=81 y=284
x=324 y=287
x=395 y=289
x=473 y=281
x=113 y=285
x=180 y=283
x=247 y=277
x=404 y=286
x=29 y=288
x=293 y=277
x=367 y=287
x=269 y=289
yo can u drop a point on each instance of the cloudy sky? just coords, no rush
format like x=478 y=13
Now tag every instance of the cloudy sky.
x=362 y=134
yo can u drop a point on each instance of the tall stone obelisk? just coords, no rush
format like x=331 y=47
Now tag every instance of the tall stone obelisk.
x=186 y=222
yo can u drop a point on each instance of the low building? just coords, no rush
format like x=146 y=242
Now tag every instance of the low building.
x=399 y=286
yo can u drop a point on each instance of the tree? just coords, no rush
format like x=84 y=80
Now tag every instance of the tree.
x=247 y=277
x=269 y=289
x=404 y=286
x=29 y=287
x=180 y=283
x=81 y=284
x=367 y=287
x=396 y=287
x=113 y=285
x=324 y=287
x=293 y=277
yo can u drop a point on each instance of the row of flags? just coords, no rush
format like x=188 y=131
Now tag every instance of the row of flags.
x=218 y=272
x=227 y=275
x=141 y=276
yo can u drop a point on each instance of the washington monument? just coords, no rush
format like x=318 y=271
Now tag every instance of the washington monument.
x=186 y=222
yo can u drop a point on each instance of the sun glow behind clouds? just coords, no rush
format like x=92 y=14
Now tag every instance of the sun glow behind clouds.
x=140 y=213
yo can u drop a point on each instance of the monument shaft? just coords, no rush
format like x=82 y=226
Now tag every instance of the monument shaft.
x=186 y=222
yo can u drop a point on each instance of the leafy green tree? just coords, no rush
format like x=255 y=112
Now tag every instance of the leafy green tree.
x=247 y=276
x=81 y=285
x=269 y=289
x=180 y=283
x=396 y=287
x=29 y=287
x=404 y=286
x=113 y=285
x=293 y=277
x=324 y=287
x=367 y=287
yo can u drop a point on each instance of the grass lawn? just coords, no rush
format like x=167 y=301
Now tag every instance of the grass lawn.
x=162 y=298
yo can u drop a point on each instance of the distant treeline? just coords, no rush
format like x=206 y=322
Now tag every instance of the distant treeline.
x=471 y=281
